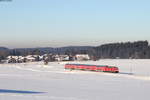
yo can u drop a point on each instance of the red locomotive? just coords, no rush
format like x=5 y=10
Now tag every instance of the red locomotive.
x=98 y=68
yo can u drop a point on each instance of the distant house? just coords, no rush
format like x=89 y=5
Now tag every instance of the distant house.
x=48 y=57
x=57 y=58
x=61 y=58
x=41 y=58
x=30 y=58
x=11 y=60
x=15 y=59
x=64 y=57
x=82 y=57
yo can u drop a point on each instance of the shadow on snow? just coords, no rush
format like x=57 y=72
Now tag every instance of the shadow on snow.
x=126 y=73
x=19 y=91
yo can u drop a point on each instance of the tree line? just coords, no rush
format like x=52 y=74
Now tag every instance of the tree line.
x=127 y=50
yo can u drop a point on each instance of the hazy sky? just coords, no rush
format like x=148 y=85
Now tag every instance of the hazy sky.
x=40 y=23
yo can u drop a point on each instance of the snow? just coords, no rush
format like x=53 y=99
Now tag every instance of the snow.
x=36 y=81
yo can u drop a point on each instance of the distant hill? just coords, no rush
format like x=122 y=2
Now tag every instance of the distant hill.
x=126 y=50
x=60 y=50
x=4 y=52
x=3 y=48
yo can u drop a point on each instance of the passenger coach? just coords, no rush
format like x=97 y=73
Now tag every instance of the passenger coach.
x=97 y=68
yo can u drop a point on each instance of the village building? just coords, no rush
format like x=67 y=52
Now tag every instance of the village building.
x=62 y=58
x=15 y=59
x=30 y=58
x=82 y=57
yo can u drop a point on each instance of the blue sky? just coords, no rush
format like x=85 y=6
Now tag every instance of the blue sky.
x=56 y=23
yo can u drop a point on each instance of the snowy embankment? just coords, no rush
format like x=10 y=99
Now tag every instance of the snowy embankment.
x=35 y=81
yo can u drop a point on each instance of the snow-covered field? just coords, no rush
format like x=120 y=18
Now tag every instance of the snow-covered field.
x=35 y=81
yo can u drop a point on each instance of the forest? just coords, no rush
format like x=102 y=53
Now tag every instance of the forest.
x=123 y=50
x=128 y=50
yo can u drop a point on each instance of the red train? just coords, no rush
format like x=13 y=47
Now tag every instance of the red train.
x=98 y=68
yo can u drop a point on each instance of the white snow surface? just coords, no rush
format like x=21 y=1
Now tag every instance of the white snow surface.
x=53 y=82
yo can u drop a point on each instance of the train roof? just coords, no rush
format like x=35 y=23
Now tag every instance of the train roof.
x=91 y=65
